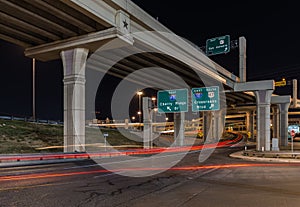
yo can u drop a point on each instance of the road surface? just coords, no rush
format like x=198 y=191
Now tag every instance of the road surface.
x=218 y=181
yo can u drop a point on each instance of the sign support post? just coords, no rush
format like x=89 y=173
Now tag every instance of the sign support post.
x=242 y=52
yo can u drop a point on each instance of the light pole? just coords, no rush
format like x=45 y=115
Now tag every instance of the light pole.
x=33 y=89
x=139 y=93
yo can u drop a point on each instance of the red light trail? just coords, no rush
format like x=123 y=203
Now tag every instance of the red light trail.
x=184 y=168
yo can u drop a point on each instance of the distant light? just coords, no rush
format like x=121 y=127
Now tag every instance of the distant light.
x=153 y=98
x=133 y=118
x=139 y=93
x=139 y=113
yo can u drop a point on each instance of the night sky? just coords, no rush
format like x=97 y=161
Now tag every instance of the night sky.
x=271 y=30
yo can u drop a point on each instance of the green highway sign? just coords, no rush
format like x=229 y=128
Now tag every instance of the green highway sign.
x=218 y=45
x=172 y=101
x=205 y=99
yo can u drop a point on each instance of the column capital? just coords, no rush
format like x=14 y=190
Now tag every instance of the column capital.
x=74 y=61
x=280 y=99
x=283 y=107
x=263 y=97
x=254 y=86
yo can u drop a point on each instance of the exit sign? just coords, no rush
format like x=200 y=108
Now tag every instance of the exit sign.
x=172 y=101
x=205 y=99
x=218 y=45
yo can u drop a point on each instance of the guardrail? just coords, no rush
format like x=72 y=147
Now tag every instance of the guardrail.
x=26 y=119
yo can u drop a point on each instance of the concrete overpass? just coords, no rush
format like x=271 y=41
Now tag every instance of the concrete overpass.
x=75 y=29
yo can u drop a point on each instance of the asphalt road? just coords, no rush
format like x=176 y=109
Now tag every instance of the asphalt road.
x=217 y=181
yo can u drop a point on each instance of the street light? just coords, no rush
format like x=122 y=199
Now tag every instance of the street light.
x=139 y=93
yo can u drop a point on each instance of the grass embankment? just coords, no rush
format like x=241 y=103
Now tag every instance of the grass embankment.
x=25 y=137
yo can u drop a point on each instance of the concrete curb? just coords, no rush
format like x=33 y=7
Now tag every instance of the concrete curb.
x=42 y=162
x=239 y=155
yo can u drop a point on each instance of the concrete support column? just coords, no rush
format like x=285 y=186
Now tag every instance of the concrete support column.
x=263 y=91
x=275 y=122
x=283 y=126
x=218 y=124
x=207 y=123
x=74 y=62
x=247 y=121
x=283 y=103
x=263 y=103
x=252 y=124
x=179 y=128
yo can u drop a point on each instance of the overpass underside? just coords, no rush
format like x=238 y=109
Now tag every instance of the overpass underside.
x=116 y=37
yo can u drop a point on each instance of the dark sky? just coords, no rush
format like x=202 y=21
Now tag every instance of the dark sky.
x=271 y=29
x=16 y=84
